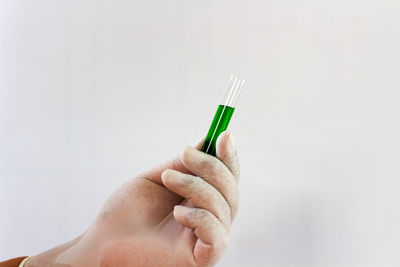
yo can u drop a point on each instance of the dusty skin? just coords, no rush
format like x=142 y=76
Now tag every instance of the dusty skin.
x=178 y=213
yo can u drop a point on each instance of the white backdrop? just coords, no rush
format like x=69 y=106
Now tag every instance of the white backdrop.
x=94 y=92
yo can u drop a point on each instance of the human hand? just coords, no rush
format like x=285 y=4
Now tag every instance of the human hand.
x=177 y=214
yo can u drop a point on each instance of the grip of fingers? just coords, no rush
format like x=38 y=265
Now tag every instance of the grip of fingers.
x=205 y=225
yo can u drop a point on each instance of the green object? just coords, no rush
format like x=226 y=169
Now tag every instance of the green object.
x=218 y=125
x=223 y=115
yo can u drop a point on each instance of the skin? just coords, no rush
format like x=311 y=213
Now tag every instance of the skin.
x=178 y=213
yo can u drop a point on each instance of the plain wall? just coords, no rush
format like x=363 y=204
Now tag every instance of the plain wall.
x=94 y=92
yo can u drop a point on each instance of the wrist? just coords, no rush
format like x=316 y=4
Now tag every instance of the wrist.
x=48 y=257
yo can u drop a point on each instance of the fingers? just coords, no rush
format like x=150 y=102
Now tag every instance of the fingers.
x=216 y=172
x=154 y=174
x=200 y=193
x=226 y=152
x=205 y=225
x=213 y=237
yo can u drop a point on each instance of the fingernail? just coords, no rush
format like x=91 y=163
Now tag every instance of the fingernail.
x=163 y=174
x=181 y=210
x=190 y=154
x=171 y=175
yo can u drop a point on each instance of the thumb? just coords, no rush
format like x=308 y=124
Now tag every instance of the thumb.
x=226 y=152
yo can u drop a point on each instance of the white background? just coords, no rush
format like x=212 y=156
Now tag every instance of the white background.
x=94 y=92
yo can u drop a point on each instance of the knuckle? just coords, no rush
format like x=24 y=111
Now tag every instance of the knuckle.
x=200 y=213
x=227 y=210
x=235 y=204
x=223 y=242
x=212 y=167
x=206 y=163
x=188 y=180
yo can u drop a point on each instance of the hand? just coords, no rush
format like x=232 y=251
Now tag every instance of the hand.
x=176 y=214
